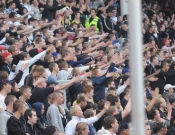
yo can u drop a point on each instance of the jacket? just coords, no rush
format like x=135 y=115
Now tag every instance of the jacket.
x=160 y=83
x=26 y=71
x=158 y=41
x=74 y=90
x=54 y=118
x=49 y=12
x=28 y=81
x=76 y=63
x=92 y=21
x=170 y=79
x=62 y=78
x=108 y=25
x=16 y=126
x=6 y=67
x=41 y=122
x=171 y=33
x=147 y=37
x=99 y=85
x=104 y=132
x=4 y=116
x=30 y=130
x=98 y=124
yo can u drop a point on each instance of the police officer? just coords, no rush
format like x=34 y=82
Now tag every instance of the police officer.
x=108 y=22
x=93 y=20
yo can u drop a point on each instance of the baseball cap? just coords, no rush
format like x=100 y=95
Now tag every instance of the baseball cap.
x=172 y=100
x=55 y=54
x=109 y=10
x=2 y=48
x=5 y=81
x=167 y=86
x=123 y=126
x=125 y=70
x=52 y=80
x=5 y=55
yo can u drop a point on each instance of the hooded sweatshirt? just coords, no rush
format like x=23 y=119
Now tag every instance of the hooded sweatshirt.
x=41 y=122
x=4 y=116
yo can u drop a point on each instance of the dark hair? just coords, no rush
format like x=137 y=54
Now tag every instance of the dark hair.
x=172 y=24
x=101 y=104
x=90 y=105
x=109 y=82
x=150 y=26
x=158 y=127
x=23 y=55
x=49 y=130
x=172 y=65
x=108 y=121
x=94 y=10
x=151 y=113
x=12 y=2
x=163 y=64
x=12 y=15
x=127 y=89
x=152 y=58
x=28 y=113
x=112 y=99
x=88 y=113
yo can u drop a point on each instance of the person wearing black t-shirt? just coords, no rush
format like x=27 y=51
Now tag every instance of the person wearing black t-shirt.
x=125 y=98
x=82 y=15
x=40 y=93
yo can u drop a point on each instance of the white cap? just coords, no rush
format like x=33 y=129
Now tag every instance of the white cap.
x=167 y=86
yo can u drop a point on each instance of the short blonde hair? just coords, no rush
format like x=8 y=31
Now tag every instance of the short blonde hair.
x=76 y=71
x=73 y=110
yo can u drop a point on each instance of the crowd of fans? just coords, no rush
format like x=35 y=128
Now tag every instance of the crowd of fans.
x=64 y=67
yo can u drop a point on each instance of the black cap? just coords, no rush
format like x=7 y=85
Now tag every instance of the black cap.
x=109 y=10
x=123 y=126
x=31 y=19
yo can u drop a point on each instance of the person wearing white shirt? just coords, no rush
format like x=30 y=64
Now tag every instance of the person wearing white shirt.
x=13 y=19
x=25 y=58
x=4 y=90
x=77 y=115
x=167 y=46
x=28 y=7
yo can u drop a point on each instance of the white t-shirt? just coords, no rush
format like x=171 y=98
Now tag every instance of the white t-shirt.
x=2 y=104
x=15 y=23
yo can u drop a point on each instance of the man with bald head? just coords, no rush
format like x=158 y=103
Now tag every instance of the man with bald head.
x=53 y=114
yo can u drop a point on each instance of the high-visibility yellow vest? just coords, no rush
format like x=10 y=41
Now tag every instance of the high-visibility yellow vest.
x=94 y=21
